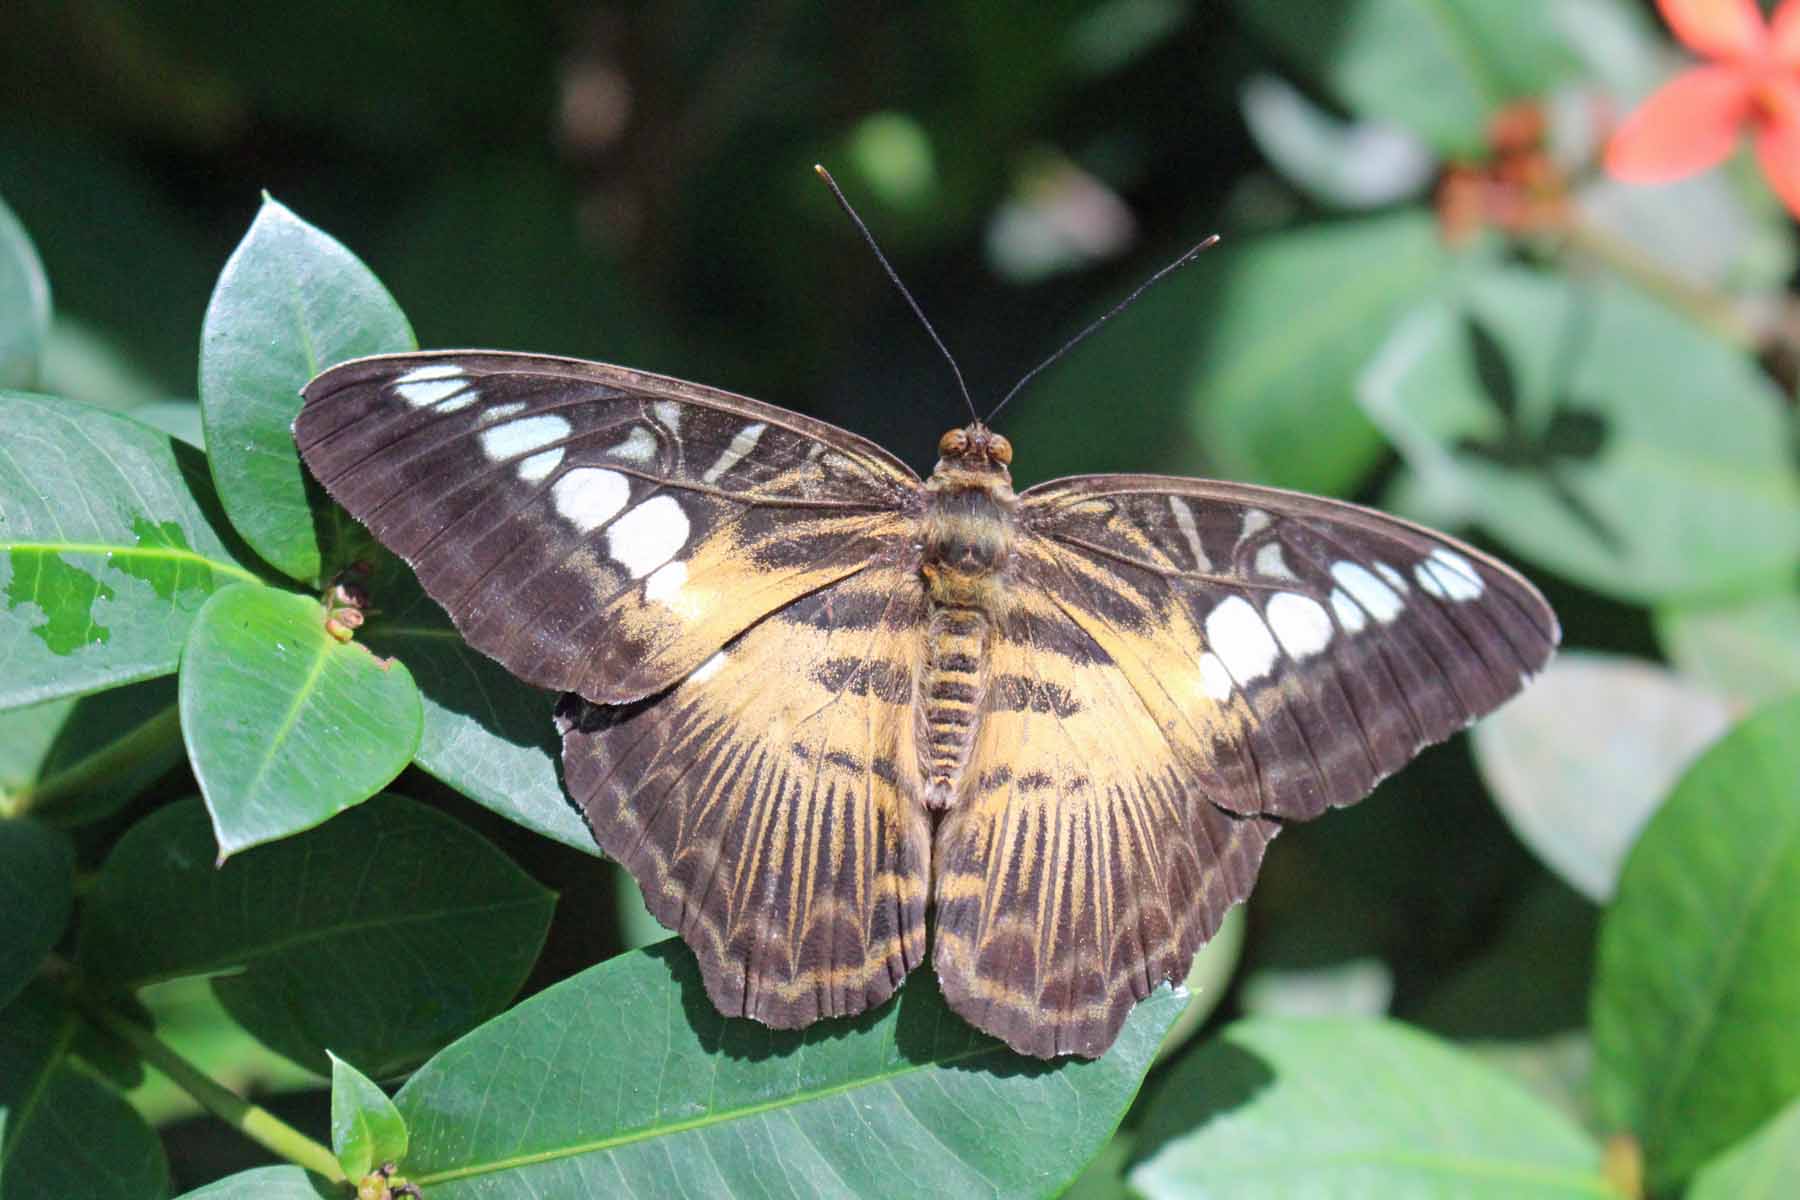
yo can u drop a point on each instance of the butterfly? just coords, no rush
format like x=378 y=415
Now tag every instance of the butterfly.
x=812 y=698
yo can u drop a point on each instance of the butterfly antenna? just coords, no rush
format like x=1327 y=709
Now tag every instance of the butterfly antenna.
x=1112 y=312
x=881 y=258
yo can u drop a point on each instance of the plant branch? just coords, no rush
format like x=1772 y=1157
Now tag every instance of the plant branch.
x=1708 y=308
x=253 y=1121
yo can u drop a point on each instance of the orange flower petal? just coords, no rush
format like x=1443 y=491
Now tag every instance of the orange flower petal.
x=1689 y=124
x=1784 y=35
x=1778 y=150
x=1717 y=28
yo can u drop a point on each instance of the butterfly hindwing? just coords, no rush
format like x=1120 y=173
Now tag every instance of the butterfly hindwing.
x=1297 y=650
x=767 y=804
x=1082 y=866
x=596 y=529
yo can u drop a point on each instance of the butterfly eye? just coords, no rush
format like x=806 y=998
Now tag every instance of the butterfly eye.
x=999 y=449
x=954 y=443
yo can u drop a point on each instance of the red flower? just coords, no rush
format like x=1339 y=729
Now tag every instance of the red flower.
x=1692 y=122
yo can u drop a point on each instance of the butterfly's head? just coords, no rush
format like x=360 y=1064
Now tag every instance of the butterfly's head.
x=974 y=448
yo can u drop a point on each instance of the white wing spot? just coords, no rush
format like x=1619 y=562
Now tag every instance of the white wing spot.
x=1184 y=521
x=1300 y=623
x=1255 y=521
x=523 y=436
x=708 y=669
x=1455 y=574
x=537 y=468
x=1377 y=598
x=669 y=413
x=732 y=455
x=1270 y=561
x=639 y=446
x=665 y=582
x=424 y=386
x=1215 y=680
x=589 y=497
x=1238 y=636
x=502 y=412
x=648 y=536
x=1395 y=579
x=1426 y=575
x=1349 y=613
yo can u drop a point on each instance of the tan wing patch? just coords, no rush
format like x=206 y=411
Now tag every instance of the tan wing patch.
x=767 y=804
x=1081 y=867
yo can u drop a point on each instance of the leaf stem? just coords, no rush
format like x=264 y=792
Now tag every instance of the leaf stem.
x=254 y=1122
x=1711 y=309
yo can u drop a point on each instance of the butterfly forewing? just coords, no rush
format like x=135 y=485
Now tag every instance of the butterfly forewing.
x=767 y=805
x=596 y=529
x=1296 y=649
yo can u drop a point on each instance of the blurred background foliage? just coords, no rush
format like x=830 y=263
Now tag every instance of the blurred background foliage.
x=1389 y=319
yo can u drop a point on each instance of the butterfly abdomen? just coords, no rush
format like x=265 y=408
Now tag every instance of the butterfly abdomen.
x=951 y=690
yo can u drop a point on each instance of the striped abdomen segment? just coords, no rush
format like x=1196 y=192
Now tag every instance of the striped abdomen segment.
x=950 y=691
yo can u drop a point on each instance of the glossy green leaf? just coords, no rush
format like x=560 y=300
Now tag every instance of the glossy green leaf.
x=1439 y=68
x=1285 y=1107
x=1579 y=761
x=24 y=305
x=485 y=733
x=63 y=1132
x=637 y=927
x=1695 y=1037
x=382 y=934
x=1764 y=1166
x=268 y=1183
x=625 y=1079
x=1748 y=649
x=1645 y=459
x=37 y=888
x=76 y=760
x=285 y=725
x=1256 y=347
x=290 y=302
x=110 y=541
x=366 y=1129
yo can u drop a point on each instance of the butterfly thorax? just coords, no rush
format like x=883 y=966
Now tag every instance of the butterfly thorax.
x=967 y=539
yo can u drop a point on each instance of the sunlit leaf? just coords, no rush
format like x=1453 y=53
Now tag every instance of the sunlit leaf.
x=290 y=302
x=1763 y=1166
x=381 y=935
x=366 y=1129
x=626 y=1080
x=1581 y=758
x=110 y=541
x=285 y=725
x=1646 y=459
x=1695 y=1040
x=1748 y=649
x=1284 y=1107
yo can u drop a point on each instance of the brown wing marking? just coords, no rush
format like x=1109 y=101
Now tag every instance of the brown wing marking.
x=767 y=805
x=1081 y=867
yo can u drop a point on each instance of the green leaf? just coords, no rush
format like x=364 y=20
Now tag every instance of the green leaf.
x=637 y=927
x=366 y=1129
x=382 y=934
x=1646 y=459
x=110 y=541
x=485 y=733
x=1214 y=965
x=1256 y=348
x=62 y=1132
x=37 y=888
x=268 y=1183
x=1748 y=649
x=1579 y=761
x=189 y=1019
x=285 y=725
x=625 y=1079
x=290 y=302
x=1763 y=1166
x=77 y=760
x=1439 y=68
x=24 y=305
x=1282 y=1107
x=1695 y=1037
